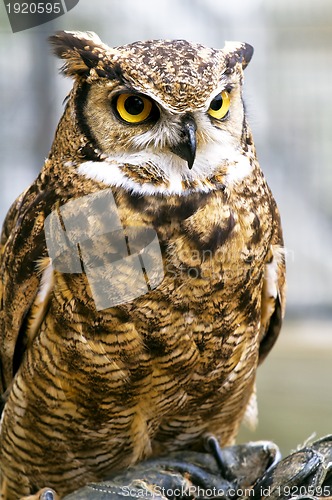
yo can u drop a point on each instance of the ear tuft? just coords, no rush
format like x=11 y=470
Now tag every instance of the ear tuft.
x=238 y=53
x=79 y=49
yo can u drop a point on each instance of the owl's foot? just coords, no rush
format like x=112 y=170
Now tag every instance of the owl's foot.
x=186 y=475
x=230 y=463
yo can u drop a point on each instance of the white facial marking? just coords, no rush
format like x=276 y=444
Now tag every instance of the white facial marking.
x=217 y=152
x=173 y=170
x=239 y=171
x=109 y=172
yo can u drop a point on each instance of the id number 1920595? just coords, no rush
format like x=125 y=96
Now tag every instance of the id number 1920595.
x=34 y=8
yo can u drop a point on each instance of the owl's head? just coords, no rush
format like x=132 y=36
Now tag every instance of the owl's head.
x=159 y=116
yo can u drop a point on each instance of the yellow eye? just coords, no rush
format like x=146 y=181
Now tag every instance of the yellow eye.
x=220 y=105
x=133 y=108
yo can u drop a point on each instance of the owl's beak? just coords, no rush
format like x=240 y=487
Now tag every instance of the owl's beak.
x=186 y=148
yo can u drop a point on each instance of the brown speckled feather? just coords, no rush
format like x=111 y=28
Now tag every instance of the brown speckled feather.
x=90 y=390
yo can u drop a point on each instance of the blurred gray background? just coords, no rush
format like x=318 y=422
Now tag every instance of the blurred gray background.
x=289 y=102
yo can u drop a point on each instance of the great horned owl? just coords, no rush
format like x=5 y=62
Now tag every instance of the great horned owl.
x=153 y=148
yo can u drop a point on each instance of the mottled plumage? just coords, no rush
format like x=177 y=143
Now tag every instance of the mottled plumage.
x=87 y=392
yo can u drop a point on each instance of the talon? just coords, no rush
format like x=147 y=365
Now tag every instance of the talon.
x=212 y=446
x=275 y=455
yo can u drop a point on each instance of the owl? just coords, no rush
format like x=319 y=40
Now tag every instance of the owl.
x=142 y=273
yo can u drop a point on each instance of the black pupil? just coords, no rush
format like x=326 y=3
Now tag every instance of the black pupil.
x=216 y=104
x=134 y=105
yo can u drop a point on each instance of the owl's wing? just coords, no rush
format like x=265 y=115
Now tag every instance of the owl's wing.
x=272 y=312
x=22 y=253
x=273 y=300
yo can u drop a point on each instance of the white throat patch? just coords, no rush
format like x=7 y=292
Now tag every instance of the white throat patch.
x=169 y=173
